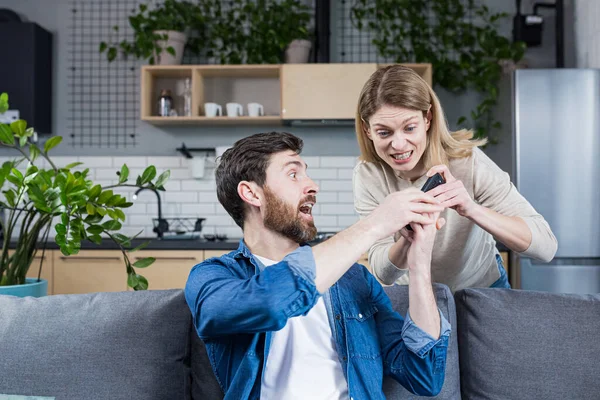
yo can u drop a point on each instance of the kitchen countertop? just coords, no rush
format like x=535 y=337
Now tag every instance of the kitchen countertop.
x=157 y=244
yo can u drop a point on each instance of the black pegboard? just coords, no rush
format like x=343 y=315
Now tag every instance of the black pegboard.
x=356 y=46
x=103 y=97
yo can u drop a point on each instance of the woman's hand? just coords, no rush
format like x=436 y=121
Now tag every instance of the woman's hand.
x=453 y=193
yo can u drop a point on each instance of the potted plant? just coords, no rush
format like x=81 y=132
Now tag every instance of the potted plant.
x=161 y=33
x=35 y=197
x=259 y=32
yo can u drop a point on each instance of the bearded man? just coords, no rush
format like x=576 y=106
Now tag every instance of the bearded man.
x=283 y=320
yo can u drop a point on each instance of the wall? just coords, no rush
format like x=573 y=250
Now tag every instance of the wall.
x=55 y=16
x=186 y=197
x=331 y=150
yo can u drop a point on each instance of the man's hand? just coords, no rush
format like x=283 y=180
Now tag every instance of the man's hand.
x=453 y=193
x=409 y=206
x=409 y=235
x=421 y=248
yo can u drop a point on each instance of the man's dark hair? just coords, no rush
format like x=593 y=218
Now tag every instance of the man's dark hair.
x=248 y=160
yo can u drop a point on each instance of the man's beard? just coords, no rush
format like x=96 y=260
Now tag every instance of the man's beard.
x=284 y=219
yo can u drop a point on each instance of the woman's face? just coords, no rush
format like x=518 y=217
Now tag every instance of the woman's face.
x=400 y=138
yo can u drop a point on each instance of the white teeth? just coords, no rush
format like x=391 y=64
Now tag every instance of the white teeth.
x=402 y=156
x=306 y=208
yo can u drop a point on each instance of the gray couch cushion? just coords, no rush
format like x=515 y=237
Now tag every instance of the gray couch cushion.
x=398 y=295
x=128 y=345
x=528 y=345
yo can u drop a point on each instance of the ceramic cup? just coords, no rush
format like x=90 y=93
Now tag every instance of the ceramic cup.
x=212 y=110
x=234 y=110
x=255 y=110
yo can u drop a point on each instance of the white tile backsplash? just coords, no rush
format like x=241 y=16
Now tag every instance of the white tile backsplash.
x=197 y=198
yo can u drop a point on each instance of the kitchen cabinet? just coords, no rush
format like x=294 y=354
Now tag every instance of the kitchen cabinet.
x=328 y=91
x=171 y=268
x=288 y=92
x=89 y=271
x=318 y=91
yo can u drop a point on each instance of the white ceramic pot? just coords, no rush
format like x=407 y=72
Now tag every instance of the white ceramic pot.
x=298 y=51
x=177 y=41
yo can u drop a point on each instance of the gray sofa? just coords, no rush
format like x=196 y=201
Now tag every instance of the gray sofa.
x=506 y=344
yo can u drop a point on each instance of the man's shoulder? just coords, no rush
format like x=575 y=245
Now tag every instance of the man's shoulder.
x=227 y=261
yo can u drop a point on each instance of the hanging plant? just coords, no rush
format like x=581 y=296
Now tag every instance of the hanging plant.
x=458 y=37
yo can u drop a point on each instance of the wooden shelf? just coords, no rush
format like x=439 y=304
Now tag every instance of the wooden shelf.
x=287 y=91
x=268 y=120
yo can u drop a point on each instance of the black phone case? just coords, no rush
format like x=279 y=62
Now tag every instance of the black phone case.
x=433 y=181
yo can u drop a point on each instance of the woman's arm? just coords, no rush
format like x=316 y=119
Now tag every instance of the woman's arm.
x=497 y=208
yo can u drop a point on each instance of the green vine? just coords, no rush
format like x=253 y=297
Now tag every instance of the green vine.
x=458 y=37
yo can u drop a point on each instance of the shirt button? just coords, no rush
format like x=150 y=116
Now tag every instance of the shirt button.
x=338 y=317
x=359 y=315
x=345 y=358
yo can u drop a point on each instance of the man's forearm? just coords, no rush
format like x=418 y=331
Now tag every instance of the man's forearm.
x=336 y=255
x=421 y=302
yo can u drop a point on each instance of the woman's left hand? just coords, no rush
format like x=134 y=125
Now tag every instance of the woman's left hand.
x=453 y=193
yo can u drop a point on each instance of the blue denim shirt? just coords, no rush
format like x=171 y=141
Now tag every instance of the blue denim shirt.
x=236 y=304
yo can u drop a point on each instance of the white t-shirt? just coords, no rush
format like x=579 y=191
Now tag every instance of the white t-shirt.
x=303 y=362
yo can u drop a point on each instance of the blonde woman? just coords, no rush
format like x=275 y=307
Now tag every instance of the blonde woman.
x=404 y=138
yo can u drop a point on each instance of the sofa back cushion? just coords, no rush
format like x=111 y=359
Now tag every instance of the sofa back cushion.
x=398 y=295
x=517 y=344
x=204 y=385
x=96 y=346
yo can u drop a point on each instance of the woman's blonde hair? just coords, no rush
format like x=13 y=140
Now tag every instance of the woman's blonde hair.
x=400 y=86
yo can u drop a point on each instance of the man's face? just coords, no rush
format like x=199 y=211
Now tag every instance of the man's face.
x=289 y=196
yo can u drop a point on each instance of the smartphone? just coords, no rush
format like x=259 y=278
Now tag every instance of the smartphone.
x=433 y=181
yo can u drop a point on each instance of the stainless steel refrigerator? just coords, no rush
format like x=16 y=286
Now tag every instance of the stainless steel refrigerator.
x=556 y=144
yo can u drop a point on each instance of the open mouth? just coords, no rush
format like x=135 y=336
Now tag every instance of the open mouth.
x=306 y=208
x=402 y=156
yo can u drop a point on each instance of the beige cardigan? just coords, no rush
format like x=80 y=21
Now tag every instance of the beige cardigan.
x=464 y=255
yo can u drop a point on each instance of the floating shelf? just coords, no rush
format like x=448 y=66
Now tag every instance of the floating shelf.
x=268 y=120
x=287 y=92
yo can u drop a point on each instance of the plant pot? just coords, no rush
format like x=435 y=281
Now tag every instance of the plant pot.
x=177 y=41
x=32 y=287
x=298 y=51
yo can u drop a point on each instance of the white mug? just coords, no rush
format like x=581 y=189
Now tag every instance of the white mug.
x=212 y=109
x=234 y=110
x=255 y=110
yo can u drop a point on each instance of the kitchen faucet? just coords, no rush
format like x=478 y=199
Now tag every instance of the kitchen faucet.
x=161 y=225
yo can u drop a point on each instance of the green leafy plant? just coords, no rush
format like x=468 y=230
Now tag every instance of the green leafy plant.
x=34 y=197
x=255 y=32
x=458 y=37
x=171 y=15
